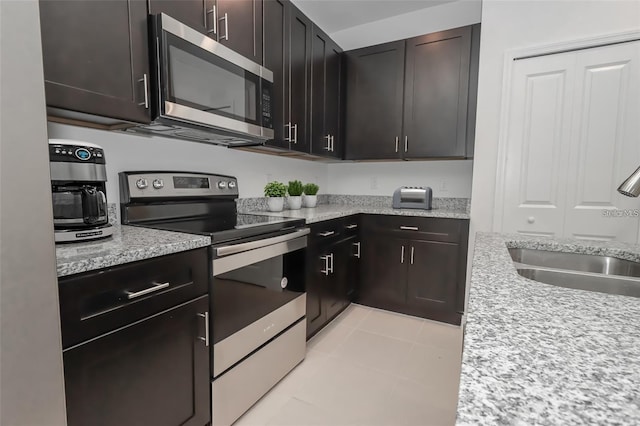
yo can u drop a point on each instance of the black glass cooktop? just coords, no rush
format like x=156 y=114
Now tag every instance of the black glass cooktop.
x=227 y=228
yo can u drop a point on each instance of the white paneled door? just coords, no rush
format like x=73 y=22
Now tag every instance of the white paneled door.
x=573 y=137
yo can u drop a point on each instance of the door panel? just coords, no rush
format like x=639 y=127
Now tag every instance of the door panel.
x=276 y=54
x=119 y=378
x=375 y=84
x=240 y=27
x=432 y=275
x=319 y=131
x=316 y=289
x=604 y=143
x=539 y=134
x=300 y=79
x=436 y=94
x=333 y=106
x=94 y=71
x=197 y=14
x=384 y=271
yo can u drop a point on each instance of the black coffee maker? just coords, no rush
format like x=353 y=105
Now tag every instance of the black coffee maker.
x=78 y=176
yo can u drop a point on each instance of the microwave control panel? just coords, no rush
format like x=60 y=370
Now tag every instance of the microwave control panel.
x=267 y=118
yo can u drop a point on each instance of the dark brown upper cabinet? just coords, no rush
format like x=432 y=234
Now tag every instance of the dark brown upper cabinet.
x=287 y=53
x=100 y=70
x=239 y=26
x=197 y=14
x=414 y=98
x=375 y=84
x=436 y=93
x=326 y=71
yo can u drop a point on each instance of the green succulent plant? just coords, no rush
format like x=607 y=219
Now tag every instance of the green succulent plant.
x=311 y=189
x=275 y=189
x=295 y=188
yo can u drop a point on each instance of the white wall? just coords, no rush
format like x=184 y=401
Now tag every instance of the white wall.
x=518 y=24
x=427 y=20
x=356 y=178
x=446 y=178
x=127 y=152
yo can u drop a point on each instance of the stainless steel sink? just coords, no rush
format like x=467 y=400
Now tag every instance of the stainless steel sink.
x=579 y=271
x=576 y=262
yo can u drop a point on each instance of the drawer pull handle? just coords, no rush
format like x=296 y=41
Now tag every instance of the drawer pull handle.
x=409 y=228
x=327 y=233
x=156 y=287
x=354 y=226
x=205 y=339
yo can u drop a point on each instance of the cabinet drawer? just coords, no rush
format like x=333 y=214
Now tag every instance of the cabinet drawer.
x=423 y=228
x=351 y=225
x=94 y=303
x=326 y=231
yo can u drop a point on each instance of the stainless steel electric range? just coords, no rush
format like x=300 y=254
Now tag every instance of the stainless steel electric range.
x=258 y=303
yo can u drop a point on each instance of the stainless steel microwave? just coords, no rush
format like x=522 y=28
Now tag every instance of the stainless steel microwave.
x=204 y=91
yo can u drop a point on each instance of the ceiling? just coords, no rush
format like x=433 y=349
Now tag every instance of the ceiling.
x=336 y=15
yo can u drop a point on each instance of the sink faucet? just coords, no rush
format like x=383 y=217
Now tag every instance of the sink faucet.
x=631 y=186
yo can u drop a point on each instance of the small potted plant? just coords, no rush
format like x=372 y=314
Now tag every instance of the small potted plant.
x=275 y=192
x=310 y=195
x=294 y=201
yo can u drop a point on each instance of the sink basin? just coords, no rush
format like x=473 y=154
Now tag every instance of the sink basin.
x=576 y=262
x=601 y=274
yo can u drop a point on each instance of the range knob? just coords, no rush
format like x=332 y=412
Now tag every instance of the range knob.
x=142 y=183
x=232 y=184
x=222 y=184
x=158 y=184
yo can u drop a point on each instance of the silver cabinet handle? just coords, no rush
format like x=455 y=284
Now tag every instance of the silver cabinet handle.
x=326 y=233
x=331 y=258
x=409 y=228
x=406 y=143
x=327 y=267
x=412 y=250
x=295 y=133
x=332 y=145
x=205 y=339
x=328 y=138
x=145 y=81
x=352 y=226
x=357 y=245
x=155 y=287
x=214 y=18
x=397 y=142
x=226 y=27
x=288 y=126
x=402 y=255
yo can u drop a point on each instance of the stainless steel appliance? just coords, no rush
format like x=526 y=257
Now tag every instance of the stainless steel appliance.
x=412 y=197
x=78 y=176
x=202 y=90
x=631 y=186
x=258 y=303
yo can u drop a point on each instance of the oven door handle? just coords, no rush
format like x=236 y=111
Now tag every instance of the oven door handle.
x=239 y=248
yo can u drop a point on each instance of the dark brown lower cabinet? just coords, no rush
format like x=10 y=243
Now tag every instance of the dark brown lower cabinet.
x=415 y=266
x=153 y=372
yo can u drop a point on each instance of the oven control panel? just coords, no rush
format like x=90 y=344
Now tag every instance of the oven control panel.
x=135 y=185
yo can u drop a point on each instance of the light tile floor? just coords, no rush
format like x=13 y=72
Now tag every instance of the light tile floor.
x=369 y=367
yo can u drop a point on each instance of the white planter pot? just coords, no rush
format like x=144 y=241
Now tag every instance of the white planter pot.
x=294 y=202
x=310 y=200
x=276 y=204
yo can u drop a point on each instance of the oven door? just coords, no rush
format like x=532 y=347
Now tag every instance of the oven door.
x=257 y=293
x=200 y=81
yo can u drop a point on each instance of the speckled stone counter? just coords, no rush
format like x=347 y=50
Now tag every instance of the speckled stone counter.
x=128 y=244
x=541 y=354
x=332 y=211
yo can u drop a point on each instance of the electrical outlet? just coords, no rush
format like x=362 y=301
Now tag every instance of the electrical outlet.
x=374 y=182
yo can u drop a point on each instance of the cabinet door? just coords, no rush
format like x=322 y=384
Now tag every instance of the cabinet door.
x=375 y=82
x=383 y=271
x=325 y=95
x=338 y=284
x=353 y=268
x=155 y=372
x=100 y=71
x=316 y=288
x=436 y=94
x=240 y=27
x=432 y=278
x=300 y=79
x=197 y=14
x=276 y=59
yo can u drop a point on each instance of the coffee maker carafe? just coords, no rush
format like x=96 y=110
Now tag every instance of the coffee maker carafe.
x=78 y=177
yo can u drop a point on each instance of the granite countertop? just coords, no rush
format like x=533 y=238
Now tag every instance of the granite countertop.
x=332 y=211
x=128 y=244
x=541 y=354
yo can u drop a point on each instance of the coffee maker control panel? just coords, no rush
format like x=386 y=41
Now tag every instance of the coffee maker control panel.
x=75 y=152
